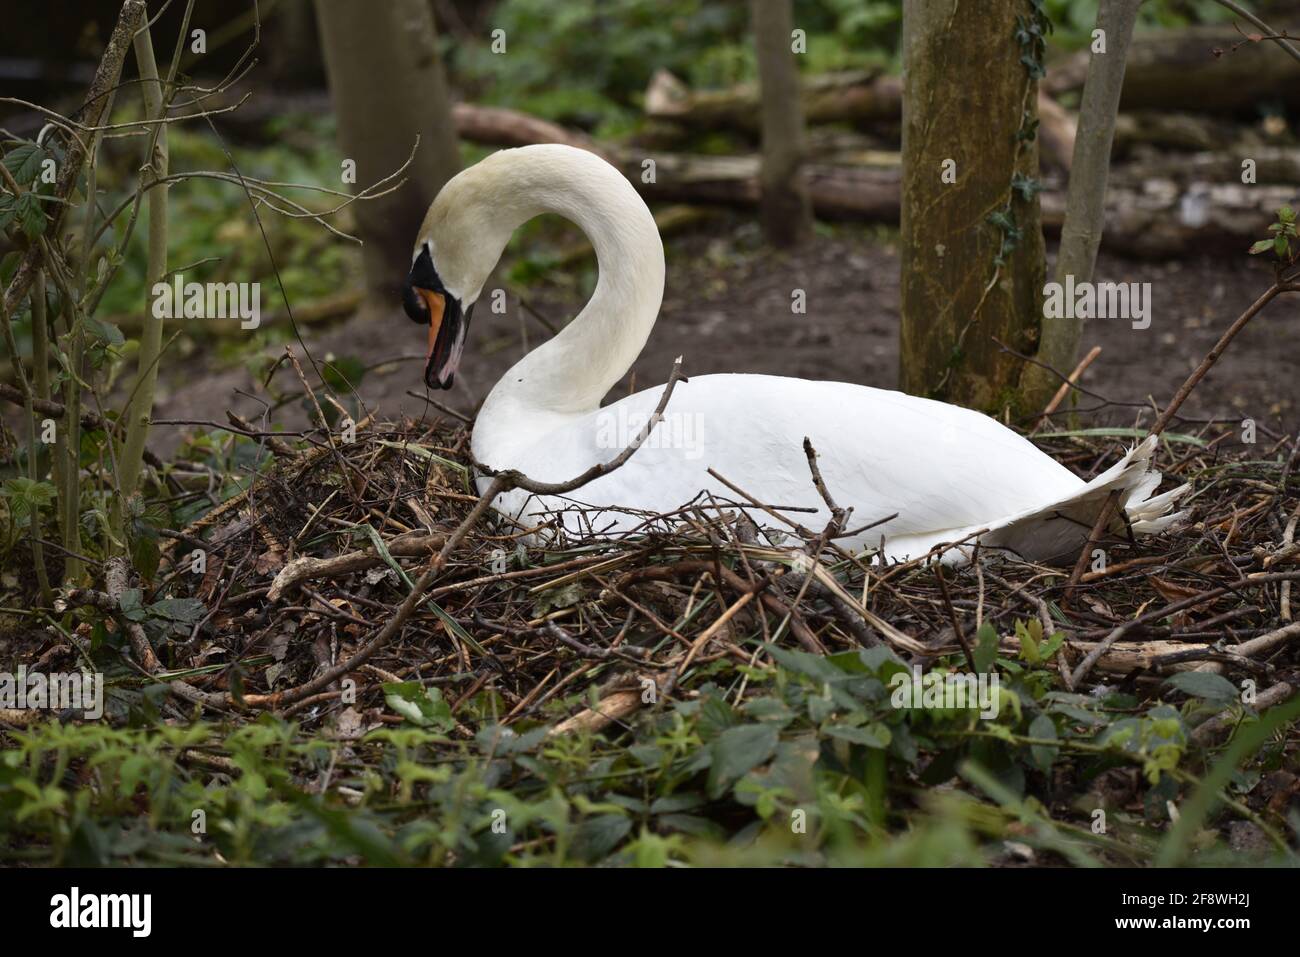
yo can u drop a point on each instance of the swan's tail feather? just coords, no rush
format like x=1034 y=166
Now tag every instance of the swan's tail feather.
x=1152 y=516
x=1055 y=533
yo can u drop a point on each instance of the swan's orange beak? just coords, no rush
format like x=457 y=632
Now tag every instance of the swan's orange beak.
x=436 y=303
x=448 y=327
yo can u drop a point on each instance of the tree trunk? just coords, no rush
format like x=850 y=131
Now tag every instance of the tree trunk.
x=1085 y=207
x=785 y=210
x=388 y=87
x=971 y=247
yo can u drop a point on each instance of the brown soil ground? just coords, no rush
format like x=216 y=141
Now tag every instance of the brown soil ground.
x=727 y=309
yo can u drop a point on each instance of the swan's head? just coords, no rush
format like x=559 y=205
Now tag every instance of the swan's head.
x=430 y=299
x=460 y=242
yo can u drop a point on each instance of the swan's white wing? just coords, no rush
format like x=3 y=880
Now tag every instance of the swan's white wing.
x=938 y=466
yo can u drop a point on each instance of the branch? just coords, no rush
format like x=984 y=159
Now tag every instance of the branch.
x=1280 y=38
x=105 y=80
x=1085 y=205
x=517 y=479
x=1199 y=373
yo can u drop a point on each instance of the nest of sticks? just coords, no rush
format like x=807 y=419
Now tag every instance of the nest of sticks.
x=379 y=562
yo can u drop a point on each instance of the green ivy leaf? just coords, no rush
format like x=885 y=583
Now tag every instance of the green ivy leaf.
x=1204 y=684
x=738 y=751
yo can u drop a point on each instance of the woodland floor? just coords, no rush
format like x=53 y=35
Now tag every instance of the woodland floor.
x=726 y=309
x=747 y=731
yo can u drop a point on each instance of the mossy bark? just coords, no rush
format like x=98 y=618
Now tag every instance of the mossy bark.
x=388 y=86
x=968 y=103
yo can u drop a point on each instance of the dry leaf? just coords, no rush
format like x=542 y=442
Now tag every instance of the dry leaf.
x=269 y=562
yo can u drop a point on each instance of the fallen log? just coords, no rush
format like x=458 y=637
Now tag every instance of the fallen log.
x=1185 y=132
x=1273 y=165
x=1168 y=69
x=497 y=126
x=1152 y=218
x=837 y=192
x=1161 y=218
x=826 y=98
x=853 y=97
x=1147 y=215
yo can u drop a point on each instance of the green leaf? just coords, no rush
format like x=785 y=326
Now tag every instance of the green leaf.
x=1049 y=648
x=24 y=162
x=132 y=609
x=1263 y=246
x=803 y=663
x=106 y=332
x=145 y=556
x=184 y=610
x=738 y=751
x=1204 y=684
x=986 y=647
x=1043 y=754
x=874 y=735
x=26 y=495
x=1028 y=643
x=597 y=836
x=31 y=217
x=419 y=705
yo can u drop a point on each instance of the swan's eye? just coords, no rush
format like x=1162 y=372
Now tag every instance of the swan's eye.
x=423 y=278
x=414 y=305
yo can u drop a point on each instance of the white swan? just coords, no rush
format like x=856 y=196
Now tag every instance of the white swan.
x=945 y=472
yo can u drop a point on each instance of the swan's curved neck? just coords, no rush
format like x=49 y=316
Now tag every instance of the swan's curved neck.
x=570 y=374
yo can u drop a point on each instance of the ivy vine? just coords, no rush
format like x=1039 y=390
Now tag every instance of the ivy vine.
x=1031 y=36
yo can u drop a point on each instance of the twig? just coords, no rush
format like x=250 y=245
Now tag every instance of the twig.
x=1066 y=386
x=1095 y=536
x=952 y=616
x=519 y=480
x=105 y=79
x=1206 y=732
x=1212 y=356
x=115 y=583
x=1281 y=39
